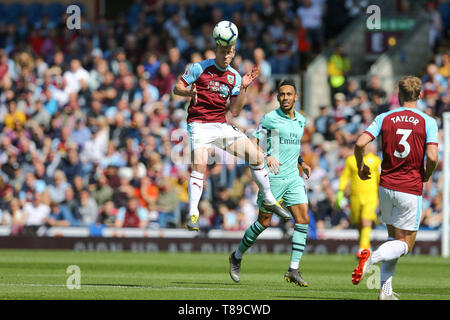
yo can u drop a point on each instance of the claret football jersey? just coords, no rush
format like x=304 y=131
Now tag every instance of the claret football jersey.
x=214 y=86
x=404 y=132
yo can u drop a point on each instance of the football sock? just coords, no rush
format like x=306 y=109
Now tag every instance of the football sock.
x=390 y=250
x=364 y=238
x=195 y=189
x=387 y=272
x=298 y=244
x=249 y=239
x=261 y=179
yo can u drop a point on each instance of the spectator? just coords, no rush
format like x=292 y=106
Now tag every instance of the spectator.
x=311 y=15
x=444 y=69
x=107 y=214
x=434 y=84
x=106 y=93
x=14 y=117
x=57 y=190
x=379 y=106
x=101 y=191
x=4 y=76
x=58 y=216
x=323 y=123
x=152 y=65
x=41 y=116
x=282 y=61
x=229 y=218
x=77 y=78
x=72 y=204
x=206 y=217
x=17 y=216
x=435 y=19
x=303 y=44
x=432 y=216
x=167 y=204
x=71 y=165
x=36 y=214
x=176 y=62
x=164 y=80
x=338 y=69
x=88 y=208
x=132 y=215
x=374 y=88
x=80 y=134
x=31 y=186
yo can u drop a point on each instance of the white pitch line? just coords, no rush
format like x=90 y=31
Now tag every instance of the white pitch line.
x=208 y=289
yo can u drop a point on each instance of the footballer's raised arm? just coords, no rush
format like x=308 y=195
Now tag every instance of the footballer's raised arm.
x=361 y=143
x=189 y=77
x=181 y=89
x=237 y=98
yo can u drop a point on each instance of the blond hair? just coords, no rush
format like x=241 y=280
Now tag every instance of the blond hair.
x=409 y=88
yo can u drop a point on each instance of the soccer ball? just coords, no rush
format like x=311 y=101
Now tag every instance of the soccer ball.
x=225 y=33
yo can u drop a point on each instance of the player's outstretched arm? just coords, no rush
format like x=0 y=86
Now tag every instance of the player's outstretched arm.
x=432 y=161
x=180 y=89
x=361 y=143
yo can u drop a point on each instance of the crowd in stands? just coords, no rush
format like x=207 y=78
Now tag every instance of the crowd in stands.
x=90 y=133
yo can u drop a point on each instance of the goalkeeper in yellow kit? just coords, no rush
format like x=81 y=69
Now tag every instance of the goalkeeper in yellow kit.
x=363 y=197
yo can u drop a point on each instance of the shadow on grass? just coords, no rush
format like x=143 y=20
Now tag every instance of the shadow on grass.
x=118 y=285
x=152 y=286
x=205 y=283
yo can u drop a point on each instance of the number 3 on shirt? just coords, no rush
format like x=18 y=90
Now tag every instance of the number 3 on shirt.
x=405 y=134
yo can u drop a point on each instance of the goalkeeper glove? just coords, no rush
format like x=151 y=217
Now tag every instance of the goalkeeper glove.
x=341 y=201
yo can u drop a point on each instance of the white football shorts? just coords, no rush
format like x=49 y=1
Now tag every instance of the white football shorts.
x=216 y=134
x=399 y=209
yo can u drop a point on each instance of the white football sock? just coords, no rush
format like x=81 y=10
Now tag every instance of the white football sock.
x=390 y=250
x=261 y=178
x=195 y=189
x=387 y=272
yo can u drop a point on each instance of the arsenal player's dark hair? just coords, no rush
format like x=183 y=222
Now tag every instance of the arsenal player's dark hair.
x=288 y=82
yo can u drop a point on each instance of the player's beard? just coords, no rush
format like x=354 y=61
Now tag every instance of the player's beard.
x=287 y=108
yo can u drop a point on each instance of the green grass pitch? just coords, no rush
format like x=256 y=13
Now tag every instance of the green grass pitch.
x=41 y=274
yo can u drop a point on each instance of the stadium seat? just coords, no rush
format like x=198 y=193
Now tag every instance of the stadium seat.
x=444 y=10
x=225 y=9
x=170 y=9
x=133 y=12
x=54 y=11
x=14 y=10
x=235 y=7
x=257 y=7
x=2 y=13
x=33 y=12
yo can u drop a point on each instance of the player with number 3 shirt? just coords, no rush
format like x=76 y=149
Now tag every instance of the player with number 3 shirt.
x=409 y=142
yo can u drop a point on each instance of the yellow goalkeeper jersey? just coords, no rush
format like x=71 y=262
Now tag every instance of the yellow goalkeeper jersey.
x=364 y=189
